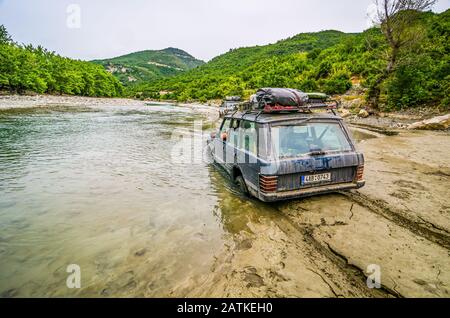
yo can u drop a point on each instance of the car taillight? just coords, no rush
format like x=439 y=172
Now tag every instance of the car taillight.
x=360 y=173
x=268 y=184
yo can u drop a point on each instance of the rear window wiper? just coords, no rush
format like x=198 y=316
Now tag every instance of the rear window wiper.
x=318 y=152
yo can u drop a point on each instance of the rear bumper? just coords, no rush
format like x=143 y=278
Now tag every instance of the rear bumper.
x=288 y=195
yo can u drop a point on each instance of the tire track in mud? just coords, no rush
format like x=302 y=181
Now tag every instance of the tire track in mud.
x=334 y=269
x=344 y=263
x=420 y=227
x=342 y=278
x=353 y=275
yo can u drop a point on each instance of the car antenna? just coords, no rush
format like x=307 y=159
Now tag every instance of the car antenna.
x=244 y=113
x=259 y=114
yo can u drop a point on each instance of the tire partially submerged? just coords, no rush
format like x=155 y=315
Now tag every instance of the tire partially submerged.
x=240 y=182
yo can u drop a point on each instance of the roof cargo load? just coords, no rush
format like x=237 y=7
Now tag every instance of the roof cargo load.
x=280 y=97
x=287 y=100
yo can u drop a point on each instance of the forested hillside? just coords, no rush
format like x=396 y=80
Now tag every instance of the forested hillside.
x=149 y=65
x=325 y=61
x=35 y=69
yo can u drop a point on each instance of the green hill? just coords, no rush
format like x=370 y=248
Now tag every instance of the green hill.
x=149 y=65
x=237 y=59
x=328 y=61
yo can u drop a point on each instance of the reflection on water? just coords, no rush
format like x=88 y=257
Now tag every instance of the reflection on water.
x=96 y=187
x=359 y=135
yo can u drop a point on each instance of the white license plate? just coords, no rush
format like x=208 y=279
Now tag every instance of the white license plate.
x=316 y=178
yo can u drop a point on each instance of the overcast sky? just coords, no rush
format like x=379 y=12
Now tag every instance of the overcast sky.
x=203 y=28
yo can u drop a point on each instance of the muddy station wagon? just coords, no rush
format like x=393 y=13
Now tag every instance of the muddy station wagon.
x=283 y=148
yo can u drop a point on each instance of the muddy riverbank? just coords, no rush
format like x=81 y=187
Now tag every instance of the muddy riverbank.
x=26 y=101
x=8 y=102
x=90 y=181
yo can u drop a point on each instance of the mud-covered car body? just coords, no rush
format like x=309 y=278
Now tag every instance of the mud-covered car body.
x=273 y=170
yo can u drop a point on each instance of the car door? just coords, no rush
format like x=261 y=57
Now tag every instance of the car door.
x=220 y=142
x=231 y=144
x=247 y=157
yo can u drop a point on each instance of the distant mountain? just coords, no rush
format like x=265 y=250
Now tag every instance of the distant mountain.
x=147 y=66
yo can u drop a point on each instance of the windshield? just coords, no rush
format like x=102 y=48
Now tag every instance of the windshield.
x=308 y=138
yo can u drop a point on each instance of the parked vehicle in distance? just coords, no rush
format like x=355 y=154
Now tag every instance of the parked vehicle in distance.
x=230 y=104
x=276 y=156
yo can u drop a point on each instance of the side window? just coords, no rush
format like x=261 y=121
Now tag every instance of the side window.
x=249 y=137
x=226 y=125
x=263 y=140
x=233 y=135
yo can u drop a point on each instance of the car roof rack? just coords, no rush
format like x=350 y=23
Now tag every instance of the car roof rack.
x=248 y=108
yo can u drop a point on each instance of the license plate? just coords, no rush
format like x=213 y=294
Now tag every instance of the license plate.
x=316 y=178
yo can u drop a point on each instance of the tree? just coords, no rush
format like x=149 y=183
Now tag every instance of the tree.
x=395 y=18
x=5 y=38
x=26 y=68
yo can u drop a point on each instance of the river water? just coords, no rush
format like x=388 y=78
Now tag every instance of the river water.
x=97 y=187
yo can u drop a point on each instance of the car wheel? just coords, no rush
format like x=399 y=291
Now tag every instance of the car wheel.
x=240 y=182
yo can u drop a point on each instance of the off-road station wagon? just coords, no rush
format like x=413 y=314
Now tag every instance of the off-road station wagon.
x=276 y=155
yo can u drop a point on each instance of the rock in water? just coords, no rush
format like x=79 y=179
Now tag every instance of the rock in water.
x=436 y=123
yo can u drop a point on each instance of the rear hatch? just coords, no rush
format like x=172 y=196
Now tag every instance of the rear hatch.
x=313 y=172
x=311 y=153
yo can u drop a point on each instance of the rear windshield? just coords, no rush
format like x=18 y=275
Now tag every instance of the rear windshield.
x=308 y=139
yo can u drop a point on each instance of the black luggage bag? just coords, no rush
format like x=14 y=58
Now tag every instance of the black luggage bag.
x=280 y=97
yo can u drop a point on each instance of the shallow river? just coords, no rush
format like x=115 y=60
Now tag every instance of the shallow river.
x=97 y=187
